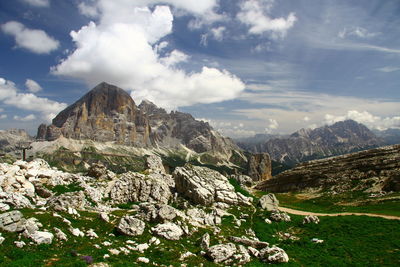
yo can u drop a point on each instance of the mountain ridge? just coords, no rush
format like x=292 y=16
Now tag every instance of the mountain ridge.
x=307 y=144
x=108 y=113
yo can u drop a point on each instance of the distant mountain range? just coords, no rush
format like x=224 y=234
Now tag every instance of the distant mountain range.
x=307 y=144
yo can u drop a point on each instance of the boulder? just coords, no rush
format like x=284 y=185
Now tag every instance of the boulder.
x=205 y=241
x=222 y=252
x=40 y=237
x=274 y=255
x=168 y=230
x=97 y=170
x=269 y=202
x=166 y=213
x=12 y=221
x=279 y=216
x=204 y=186
x=16 y=200
x=68 y=200
x=136 y=187
x=311 y=219
x=129 y=225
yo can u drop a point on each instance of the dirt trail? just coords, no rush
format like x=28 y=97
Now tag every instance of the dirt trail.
x=300 y=212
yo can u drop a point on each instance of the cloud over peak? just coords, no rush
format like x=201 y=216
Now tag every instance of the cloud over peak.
x=126 y=47
x=36 y=41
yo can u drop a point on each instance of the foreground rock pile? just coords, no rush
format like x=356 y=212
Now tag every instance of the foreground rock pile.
x=150 y=208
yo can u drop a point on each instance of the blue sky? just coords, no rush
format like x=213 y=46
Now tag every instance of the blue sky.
x=246 y=66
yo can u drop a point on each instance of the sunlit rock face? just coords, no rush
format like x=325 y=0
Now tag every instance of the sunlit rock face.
x=108 y=113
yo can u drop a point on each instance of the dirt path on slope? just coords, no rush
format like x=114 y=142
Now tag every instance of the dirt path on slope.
x=304 y=213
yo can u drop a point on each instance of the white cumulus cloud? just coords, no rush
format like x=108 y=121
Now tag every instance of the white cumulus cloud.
x=36 y=41
x=47 y=108
x=33 y=86
x=38 y=3
x=255 y=14
x=123 y=48
x=366 y=118
x=29 y=117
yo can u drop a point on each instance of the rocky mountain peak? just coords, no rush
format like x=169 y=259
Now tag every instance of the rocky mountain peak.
x=108 y=113
x=150 y=108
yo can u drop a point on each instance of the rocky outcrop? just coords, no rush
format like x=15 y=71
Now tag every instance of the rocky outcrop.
x=168 y=230
x=269 y=202
x=274 y=255
x=204 y=186
x=136 y=187
x=259 y=167
x=311 y=219
x=131 y=226
x=307 y=144
x=222 y=252
x=372 y=170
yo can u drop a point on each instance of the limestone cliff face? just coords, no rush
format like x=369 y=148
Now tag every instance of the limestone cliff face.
x=374 y=170
x=108 y=113
x=259 y=167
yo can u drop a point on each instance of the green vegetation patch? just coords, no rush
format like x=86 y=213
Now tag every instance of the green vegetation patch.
x=61 y=189
x=354 y=201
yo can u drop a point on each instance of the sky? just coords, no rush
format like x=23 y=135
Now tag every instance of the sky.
x=244 y=66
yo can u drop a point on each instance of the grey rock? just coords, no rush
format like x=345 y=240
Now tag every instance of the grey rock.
x=279 y=216
x=12 y=221
x=204 y=186
x=311 y=219
x=243 y=256
x=136 y=187
x=168 y=230
x=274 y=255
x=40 y=237
x=97 y=170
x=154 y=164
x=269 y=202
x=76 y=200
x=205 y=241
x=19 y=244
x=222 y=252
x=60 y=235
x=166 y=213
x=16 y=200
x=131 y=226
